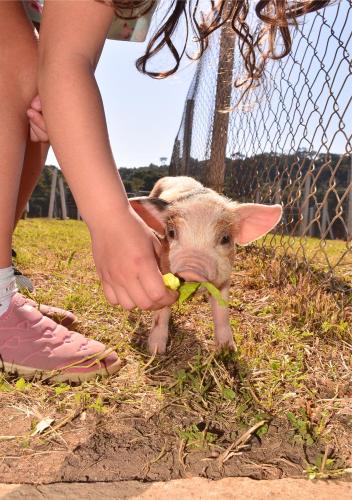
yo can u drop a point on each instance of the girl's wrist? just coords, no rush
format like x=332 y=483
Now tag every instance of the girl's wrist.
x=116 y=214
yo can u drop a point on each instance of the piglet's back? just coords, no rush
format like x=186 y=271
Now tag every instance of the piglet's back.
x=172 y=188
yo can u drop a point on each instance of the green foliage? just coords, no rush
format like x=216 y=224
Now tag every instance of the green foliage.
x=186 y=290
x=302 y=427
x=323 y=468
x=21 y=385
x=98 y=405
x=142 y=178
x=195 y=438
x=136 y=180
x=62 y=388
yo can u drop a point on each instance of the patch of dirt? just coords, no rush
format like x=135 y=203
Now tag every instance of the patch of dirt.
x=125 y=447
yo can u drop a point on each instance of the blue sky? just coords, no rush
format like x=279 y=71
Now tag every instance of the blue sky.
x=143 y=114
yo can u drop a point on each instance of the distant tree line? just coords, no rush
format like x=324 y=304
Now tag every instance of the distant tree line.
x=137 y=181
x=265 y=178
x=312 y=187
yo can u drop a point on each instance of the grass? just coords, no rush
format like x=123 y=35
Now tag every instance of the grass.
x=292 y=365
x=333 y=257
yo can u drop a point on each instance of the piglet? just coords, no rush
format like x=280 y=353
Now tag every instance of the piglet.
x=199 y=229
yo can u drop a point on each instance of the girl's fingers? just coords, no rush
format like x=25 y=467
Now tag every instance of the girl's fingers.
x=40 y=134
x=152 y=283
x=123 y=298
x=118 y=296
x=33 y=136
x=110 y=294
x=36 y=104
x=37 y=118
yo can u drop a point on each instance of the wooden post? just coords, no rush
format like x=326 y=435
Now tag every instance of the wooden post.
x=349 y=208
x=311 y=217
x=305 y=203
x=187 y=137
x=62 y=198
x=325 y=222
x=52 y=193
x=277 y=197
x=215 y=173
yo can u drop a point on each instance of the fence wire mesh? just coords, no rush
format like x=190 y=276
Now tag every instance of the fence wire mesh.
x=288 y=141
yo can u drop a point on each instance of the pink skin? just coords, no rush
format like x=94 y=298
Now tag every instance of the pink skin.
x=200 y=228
x=60 y=69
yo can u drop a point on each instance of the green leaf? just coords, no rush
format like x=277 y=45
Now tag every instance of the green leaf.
x=228 y=394
x=21 y=385
x=262 y=430
x=60 y=389
x=186 y=290
x=215 y=292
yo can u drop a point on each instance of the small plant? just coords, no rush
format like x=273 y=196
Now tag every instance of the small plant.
x=22 y=386
x=302 y=427
x=62 y=388
x=324 y=468
x=98 y=405
x=195 y=438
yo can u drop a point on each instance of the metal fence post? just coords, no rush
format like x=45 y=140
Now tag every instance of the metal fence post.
x=305 y=203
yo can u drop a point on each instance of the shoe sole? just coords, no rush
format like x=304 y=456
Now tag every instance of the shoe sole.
x=57 y=376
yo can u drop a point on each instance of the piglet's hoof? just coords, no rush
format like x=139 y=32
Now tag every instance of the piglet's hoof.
x=228 y=345
x=156 y=346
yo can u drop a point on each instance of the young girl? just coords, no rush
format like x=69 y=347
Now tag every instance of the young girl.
x=60 y=68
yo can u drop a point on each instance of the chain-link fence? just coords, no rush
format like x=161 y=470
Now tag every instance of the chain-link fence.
x=287 y=141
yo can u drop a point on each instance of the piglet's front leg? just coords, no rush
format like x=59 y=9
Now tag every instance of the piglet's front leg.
x=222 y=328
x=159 y=333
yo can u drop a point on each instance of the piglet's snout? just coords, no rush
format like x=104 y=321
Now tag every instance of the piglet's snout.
x=192 y=266
x=192 y=275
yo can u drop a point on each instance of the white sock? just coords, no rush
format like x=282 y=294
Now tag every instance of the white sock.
x=8 y=288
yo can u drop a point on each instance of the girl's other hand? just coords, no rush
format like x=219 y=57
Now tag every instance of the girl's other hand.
x=38 y=131
x=125 y=251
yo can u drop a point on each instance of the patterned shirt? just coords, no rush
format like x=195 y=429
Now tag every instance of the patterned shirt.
x=133 y=30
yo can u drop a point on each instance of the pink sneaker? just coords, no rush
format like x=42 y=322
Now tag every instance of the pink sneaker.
x=32 y=344
x=57 y=314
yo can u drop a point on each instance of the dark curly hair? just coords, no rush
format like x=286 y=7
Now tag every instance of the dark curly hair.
x=256 y=45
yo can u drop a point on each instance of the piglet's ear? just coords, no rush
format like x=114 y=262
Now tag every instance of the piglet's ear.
x=254 y=220
x=152 y=210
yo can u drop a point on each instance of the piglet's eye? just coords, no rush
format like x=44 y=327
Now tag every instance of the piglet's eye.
x=171 y=233
x=225 y=240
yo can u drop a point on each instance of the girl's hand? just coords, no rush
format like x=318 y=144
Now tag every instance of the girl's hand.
x=125 y=251
x=38 y=131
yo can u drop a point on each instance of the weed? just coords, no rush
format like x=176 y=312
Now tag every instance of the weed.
x=194 y=438
x=302 y=427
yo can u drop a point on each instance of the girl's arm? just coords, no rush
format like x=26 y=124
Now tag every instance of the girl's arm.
x=124 y=248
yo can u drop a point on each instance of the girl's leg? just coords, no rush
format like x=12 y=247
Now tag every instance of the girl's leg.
x=18 y=62
x=34 y=160
x=29 y=342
